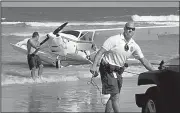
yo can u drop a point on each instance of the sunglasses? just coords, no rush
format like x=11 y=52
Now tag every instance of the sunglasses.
x=129 y=28
x=126 y=47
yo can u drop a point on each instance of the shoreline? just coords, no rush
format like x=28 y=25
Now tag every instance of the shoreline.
x=67 y=97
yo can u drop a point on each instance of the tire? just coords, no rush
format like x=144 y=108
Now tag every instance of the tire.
x=150 y=104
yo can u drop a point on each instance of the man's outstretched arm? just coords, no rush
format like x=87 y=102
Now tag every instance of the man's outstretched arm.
x=97 y=58
x=146 y=64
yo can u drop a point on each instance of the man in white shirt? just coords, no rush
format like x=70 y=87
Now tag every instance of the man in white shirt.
x=113 y=55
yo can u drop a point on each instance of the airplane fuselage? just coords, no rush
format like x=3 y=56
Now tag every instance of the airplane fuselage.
x=71 y=42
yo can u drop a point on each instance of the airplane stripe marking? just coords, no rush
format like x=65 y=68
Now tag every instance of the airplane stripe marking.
x=54 y=46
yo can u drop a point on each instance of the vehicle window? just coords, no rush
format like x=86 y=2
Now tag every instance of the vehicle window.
x=86 y=36
x=75 y=33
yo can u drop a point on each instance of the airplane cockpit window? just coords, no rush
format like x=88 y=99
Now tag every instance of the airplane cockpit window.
x=86 y=36
x=75 y=33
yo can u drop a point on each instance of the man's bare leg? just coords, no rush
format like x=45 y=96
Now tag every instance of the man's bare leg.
x=115 y=102
x=40 y=71
x=108 y=108
x=33 y=73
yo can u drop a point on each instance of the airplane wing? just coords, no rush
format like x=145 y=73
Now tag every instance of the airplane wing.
x=46 y=57
x=22 y=50
x=109 y=29
x=141 y=33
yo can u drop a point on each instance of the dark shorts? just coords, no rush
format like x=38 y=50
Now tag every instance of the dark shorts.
x=33 y=61
x=110 y=85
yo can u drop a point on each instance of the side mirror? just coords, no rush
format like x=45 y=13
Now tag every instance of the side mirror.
x=161 y=67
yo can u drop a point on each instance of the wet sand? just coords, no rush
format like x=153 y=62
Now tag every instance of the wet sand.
x=67 y=97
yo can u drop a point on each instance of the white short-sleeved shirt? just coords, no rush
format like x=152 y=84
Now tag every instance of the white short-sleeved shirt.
x=116 y=54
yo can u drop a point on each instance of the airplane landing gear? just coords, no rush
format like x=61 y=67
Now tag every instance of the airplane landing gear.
x=58 y=62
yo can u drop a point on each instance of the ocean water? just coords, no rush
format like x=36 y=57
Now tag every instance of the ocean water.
x=66 y=89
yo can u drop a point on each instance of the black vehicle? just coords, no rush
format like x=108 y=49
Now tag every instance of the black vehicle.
x=164 y=96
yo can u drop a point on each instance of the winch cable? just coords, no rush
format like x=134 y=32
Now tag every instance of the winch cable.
x=132 y=72
x=97 y=87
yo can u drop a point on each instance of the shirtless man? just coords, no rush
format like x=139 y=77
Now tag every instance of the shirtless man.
x=34 y=60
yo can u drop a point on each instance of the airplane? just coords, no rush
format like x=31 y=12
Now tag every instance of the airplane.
x=68 y=47
x=63 y=48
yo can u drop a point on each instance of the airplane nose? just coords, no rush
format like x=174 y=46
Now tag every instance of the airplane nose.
x=51 y=35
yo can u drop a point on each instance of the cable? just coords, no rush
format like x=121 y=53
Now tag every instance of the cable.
x=131 y=72
x=96 y=86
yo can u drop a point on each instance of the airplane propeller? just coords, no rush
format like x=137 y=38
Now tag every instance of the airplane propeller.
x=55 y=32
x=60 y=28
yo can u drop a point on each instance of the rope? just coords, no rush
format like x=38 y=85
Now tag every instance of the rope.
x=96 y=86
x=131 y=72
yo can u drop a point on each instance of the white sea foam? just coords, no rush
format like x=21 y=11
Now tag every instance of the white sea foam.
x=163 y=18
x=22 y=34
x=155 y=20
x=11 y=23
x=3 y=18
x=24 y=80
x=55 y=24
x=163 y=23
x=52 y=24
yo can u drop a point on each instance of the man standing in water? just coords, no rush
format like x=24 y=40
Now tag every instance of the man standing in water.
x=113 y=55
x=33 y=59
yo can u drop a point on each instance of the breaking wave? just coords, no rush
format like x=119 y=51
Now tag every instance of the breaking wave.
x=22 y=34
x=107 y=23
x=152 y=20
x=55 y=24
x=163 y=18
x=51 y=79
x=2 y=19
